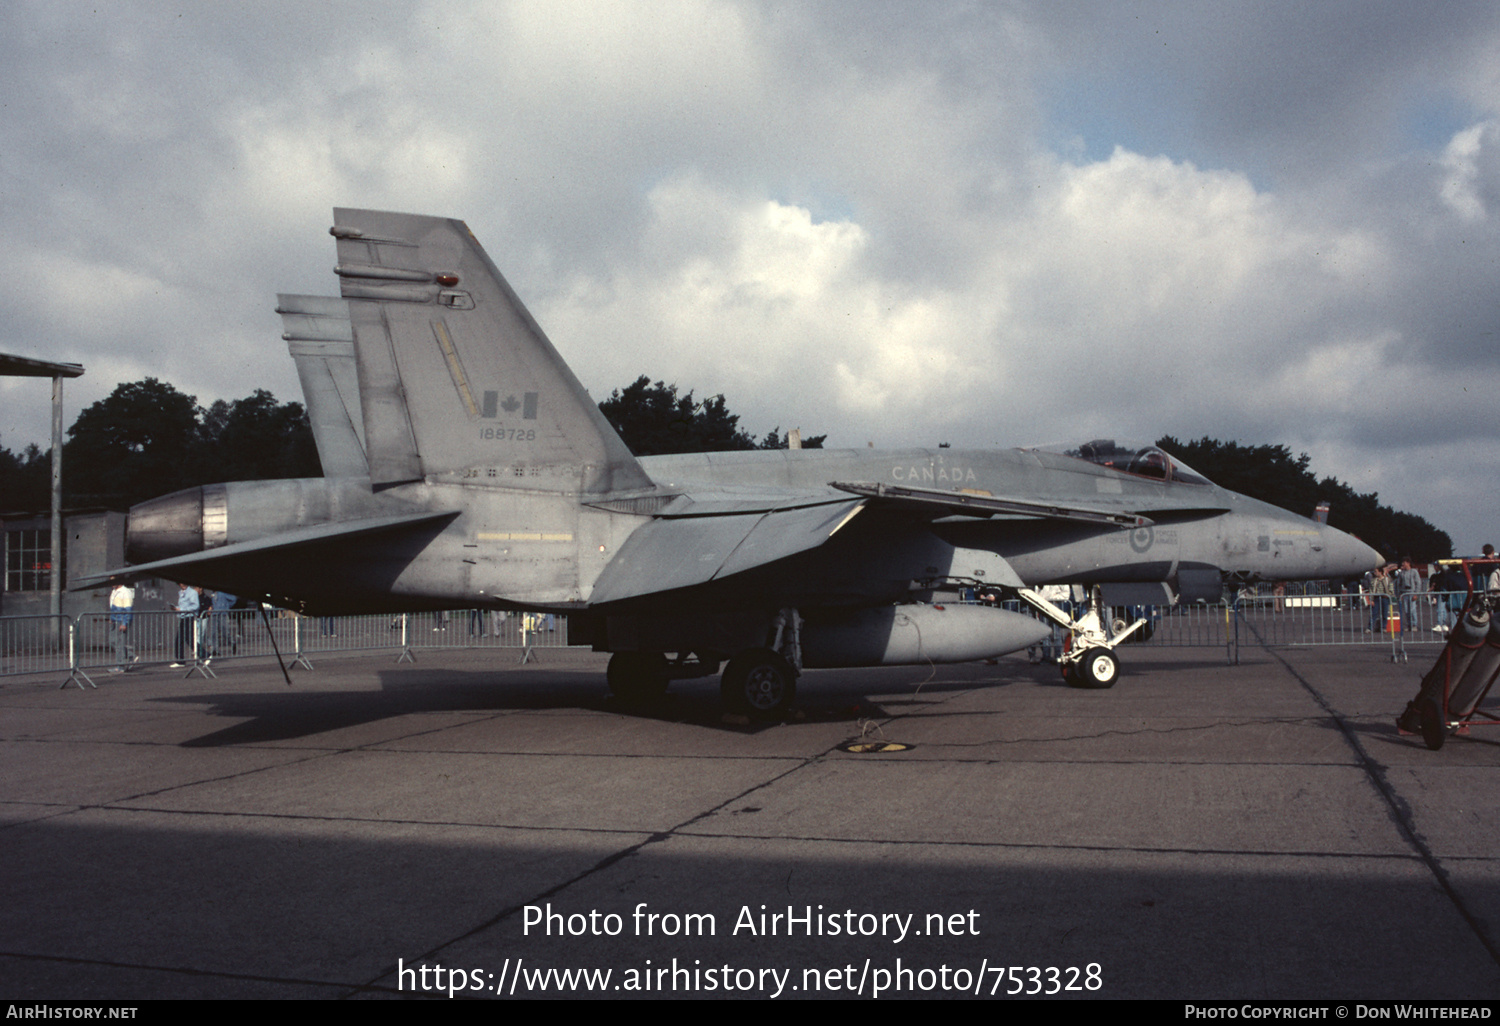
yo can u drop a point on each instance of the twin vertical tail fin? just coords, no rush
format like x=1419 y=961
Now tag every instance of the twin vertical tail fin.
x=456 y=381
x=321 y=341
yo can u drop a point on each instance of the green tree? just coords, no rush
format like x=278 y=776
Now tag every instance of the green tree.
x=257 y=438
x=138 y=442
x=652 y=420
x=1266 y=472
x=147 y=439
x=1272 y=474
x=26 y=479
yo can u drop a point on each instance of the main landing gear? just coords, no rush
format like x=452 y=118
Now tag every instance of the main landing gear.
x=1088 y=659
x=760 y=683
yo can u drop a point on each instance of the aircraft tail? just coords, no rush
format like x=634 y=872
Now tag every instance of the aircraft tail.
x=456 y=380
x=320 y=339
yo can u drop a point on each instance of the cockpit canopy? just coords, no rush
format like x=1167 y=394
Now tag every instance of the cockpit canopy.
x=1140 y=459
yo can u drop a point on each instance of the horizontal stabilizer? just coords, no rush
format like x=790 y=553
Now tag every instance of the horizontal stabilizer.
x=983 y=505
x=667 y=554
x=198 y=567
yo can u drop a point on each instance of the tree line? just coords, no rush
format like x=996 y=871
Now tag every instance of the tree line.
x=1272 y=474
x=653 y=420
x=147 y=439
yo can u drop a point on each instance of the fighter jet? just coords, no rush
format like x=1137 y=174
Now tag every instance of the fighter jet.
x=465 y=466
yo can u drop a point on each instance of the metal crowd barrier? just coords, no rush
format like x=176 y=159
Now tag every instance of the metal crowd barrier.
x=1195 y=625
x=35 y=644
x=1418 y=618
x=92 y=643
x=1300 y=615
x=164 y=637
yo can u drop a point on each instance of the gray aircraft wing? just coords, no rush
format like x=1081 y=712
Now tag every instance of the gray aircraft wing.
x=710 y=537
x=674 y=552
x=941 y=503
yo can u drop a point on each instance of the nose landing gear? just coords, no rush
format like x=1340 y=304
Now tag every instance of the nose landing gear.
x=1088 y=659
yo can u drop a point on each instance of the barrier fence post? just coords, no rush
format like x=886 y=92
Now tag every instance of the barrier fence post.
x=1237 y=603
x=75 y=673
x=299 y=659
x=406 y=656
x=1231 y=655
x=528 y=637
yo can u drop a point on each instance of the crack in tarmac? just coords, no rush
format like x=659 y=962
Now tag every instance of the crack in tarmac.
x=1399 y=811
x=1125 y=733
x=1376 y=773
x=618 y=856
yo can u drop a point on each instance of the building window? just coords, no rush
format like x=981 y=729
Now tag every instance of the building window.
x=28 y=560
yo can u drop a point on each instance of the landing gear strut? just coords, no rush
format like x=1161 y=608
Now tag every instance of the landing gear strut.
x=1088 y=660
x=762 y=682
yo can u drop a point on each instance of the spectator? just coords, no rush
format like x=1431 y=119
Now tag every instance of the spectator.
x=1381 y=593
x=121 y=602
x=187 y=606
x=1408 y=585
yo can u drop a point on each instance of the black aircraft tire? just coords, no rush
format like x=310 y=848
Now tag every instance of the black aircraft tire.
x=1434 y=730
x=758 y=683
x=1097 y=669
x=637 y=676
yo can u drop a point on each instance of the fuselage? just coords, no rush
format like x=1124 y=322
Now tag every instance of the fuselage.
x=535 y=548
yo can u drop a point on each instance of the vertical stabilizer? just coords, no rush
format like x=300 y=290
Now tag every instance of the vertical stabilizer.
x=320 y=339
x=457 y=381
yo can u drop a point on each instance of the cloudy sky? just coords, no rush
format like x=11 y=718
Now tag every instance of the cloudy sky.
x=899 y=224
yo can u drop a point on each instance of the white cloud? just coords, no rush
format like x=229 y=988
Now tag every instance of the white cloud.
x=844 y=219
x=783 y=313
x=1463 y=188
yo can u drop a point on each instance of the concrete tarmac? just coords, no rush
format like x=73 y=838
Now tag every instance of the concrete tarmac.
x=1198 y=831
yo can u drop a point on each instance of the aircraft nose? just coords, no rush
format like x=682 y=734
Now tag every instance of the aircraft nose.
x=1345 y=555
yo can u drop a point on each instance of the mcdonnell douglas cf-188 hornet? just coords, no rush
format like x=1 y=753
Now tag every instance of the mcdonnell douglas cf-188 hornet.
x=465 y=466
